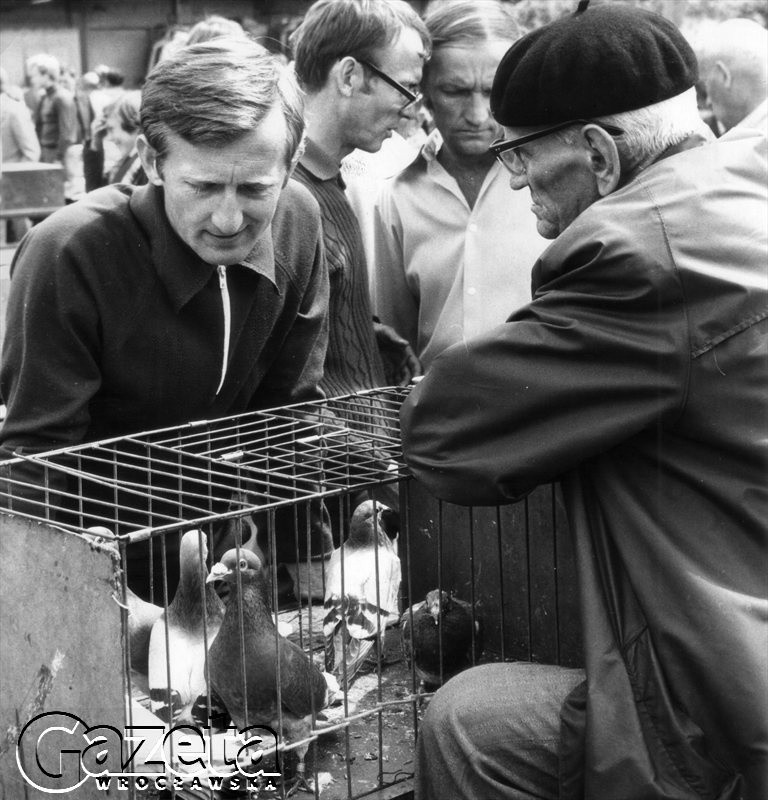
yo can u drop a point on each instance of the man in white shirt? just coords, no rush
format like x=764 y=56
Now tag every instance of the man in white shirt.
x=453 y=248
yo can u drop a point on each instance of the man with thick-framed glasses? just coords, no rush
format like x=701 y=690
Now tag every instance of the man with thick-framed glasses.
x=360 y=64
x=637 y=377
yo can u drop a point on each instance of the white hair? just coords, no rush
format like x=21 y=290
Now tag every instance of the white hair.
x=649 y=131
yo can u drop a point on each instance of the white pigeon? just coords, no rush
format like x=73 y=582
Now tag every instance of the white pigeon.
x=191 y=622
x=360 y=607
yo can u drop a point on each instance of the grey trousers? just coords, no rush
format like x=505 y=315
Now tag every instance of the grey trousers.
x=493 y=732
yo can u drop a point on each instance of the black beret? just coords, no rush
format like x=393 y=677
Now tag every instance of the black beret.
x=601 y=60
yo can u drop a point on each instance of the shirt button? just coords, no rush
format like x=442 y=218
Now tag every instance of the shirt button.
x=471 y=290
x=472 y=227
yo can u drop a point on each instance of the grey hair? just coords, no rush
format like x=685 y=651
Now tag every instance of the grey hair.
x=649 y=131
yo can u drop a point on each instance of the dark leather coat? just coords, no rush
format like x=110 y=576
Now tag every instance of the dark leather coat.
x=639 y=376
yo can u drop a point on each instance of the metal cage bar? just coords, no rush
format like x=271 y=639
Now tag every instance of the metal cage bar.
x=273 y=471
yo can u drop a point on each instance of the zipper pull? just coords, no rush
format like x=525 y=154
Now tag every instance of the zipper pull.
x=227 y=312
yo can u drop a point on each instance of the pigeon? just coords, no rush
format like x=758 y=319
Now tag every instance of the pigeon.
x=142 y=617
x=441 y=642
x=361 y=601
x=191 y=623
x=280 y=682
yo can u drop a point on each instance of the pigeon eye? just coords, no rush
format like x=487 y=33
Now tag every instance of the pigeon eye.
x=243 y=564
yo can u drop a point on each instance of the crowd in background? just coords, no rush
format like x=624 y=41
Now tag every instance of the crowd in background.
x=88 y=122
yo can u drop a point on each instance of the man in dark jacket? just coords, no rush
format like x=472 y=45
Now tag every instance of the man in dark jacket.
x=637 y=375
x=200 y=295
x=55 y=112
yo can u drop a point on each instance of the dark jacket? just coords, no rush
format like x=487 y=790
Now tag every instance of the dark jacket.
x=638 y=376
x=56 y=123
x=114 y=325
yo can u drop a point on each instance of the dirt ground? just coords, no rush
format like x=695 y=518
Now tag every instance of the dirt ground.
x=375 y=750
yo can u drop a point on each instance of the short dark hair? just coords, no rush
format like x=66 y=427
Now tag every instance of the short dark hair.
x=332 y=29
x=217 y=91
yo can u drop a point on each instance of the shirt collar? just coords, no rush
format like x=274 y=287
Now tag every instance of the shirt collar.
x=318 y=163
x=180 y=269
x=431 y=147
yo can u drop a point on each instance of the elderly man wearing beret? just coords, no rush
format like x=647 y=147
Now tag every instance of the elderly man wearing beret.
x=638 y=377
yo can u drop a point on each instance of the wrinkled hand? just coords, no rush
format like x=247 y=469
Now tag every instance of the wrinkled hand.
x=400 y=362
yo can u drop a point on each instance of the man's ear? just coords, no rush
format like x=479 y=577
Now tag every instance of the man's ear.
x=723 y=73
x=603 y=158
x=148 y=156
x=346 y=75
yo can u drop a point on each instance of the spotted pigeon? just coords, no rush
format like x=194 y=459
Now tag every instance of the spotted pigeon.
x=362 y=588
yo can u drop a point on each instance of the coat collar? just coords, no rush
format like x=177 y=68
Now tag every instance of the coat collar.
x=180 y=269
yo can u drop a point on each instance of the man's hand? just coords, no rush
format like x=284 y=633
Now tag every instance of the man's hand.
x=400 y=362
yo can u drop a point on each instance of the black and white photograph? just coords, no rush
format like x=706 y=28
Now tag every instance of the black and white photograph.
x=384 y=399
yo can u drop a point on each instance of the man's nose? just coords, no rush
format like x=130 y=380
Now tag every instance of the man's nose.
x=477 y=109
x=228 y=214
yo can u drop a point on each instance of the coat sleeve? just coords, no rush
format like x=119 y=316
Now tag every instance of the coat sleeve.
x=599 y=355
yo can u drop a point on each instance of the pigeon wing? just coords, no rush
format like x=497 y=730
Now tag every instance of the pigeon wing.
x=302 y=686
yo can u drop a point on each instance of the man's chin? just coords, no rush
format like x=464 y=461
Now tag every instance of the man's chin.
x=225 y=256
x=547 y=230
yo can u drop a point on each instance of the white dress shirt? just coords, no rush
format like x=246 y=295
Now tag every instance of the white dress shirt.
x=442 y=271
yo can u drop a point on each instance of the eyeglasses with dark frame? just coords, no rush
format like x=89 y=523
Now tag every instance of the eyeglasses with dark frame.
x=504 y=149
x=413 y=97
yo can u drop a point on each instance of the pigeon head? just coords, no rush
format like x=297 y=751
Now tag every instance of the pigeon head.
x=193 y=553
x=371 y=521
x=362 y=517
x=438 y=602
x=235 y=561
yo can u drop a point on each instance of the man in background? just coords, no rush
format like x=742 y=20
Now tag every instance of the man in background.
x=56 y=112
x=453 y=249
x=733 y=64
x=360 y=64
x=18 y=142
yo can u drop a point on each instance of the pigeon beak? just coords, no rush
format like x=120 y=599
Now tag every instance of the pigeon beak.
x=218 y=572
x=434 y=611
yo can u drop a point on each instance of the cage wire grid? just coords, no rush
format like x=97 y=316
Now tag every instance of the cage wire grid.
x=150 y=485
x=273 y=465
x=185 y=476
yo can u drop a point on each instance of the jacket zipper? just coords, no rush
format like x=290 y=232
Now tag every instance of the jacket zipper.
x=227 y=322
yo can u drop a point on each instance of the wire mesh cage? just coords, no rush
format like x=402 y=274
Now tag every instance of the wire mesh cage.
x=272 y=569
